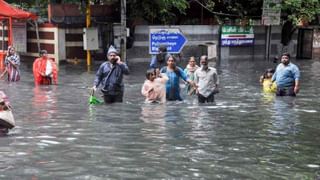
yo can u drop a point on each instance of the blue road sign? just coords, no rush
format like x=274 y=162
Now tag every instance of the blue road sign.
x=172 y=38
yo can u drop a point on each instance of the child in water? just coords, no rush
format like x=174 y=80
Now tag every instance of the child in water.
x=154 y=87
x=4 y=106
x=265 y=81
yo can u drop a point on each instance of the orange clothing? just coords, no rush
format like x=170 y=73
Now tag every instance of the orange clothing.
x=40 y=71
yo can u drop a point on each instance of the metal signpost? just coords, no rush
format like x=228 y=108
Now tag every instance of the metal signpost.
x=171 y=37
x=271 y=12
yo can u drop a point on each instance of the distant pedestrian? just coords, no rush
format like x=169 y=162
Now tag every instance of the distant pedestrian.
x=110 y=77
x=189 y=70
x=45 y=70
x=287 y=77
x=12 y=63
x=206 y=79
x=159 y=60
x=174 y=74
x=154 y=87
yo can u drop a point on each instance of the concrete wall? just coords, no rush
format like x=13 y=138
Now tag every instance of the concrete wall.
x=48 y=39
x=61 y=43
x=197 y=35
x=202 y=34
x=259 y=49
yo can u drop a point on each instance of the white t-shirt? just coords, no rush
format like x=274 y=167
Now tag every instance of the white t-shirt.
x=48 y=68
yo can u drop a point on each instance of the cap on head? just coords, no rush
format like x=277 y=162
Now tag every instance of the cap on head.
x=112 y=50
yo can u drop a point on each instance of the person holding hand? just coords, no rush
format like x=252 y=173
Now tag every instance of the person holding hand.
x=287 y=77
x=154 y=87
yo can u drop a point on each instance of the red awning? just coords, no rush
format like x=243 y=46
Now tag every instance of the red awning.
x=6 y=10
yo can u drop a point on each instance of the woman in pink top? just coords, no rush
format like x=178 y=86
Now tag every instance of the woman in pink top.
x=154 y=87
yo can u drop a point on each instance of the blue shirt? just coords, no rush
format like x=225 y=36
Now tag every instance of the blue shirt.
x=109 y=77
x=285 y=76
x=173 y=84
x=156 y=63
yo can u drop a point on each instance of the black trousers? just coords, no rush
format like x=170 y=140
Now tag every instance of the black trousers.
x=108 y=99
x=209 y=99
x=285 y=91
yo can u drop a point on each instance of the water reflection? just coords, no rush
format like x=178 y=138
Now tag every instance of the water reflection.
x=285 y=118
x=245 y=135
x=153 y=113
x=44 y=101
x=267 y=98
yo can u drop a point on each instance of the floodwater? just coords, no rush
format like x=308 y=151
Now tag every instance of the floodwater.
x=245 y=135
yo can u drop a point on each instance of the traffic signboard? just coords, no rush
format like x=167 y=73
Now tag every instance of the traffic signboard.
x=237 y=36
x=271 y=12
x=171 y=37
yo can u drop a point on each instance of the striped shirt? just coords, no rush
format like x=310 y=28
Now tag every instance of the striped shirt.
x=13 y=72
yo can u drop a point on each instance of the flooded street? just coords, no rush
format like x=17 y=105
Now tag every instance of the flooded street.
x=245 y=135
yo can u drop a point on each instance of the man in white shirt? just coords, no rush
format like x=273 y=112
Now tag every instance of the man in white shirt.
x=206 y=79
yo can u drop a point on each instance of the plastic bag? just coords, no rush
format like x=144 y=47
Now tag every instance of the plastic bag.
x=93 y=99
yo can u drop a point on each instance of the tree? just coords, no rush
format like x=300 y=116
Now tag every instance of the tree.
x=157 y=11
x=295 y=10
x=240 y=8
x=40 y=6
x=301 y=10
x=166 y=11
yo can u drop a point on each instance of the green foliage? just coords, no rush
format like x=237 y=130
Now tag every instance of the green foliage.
x=157 y=11
x=40 y=7
x=241 y=8
x=36 y=6
x=166 y=11
x=301 y=9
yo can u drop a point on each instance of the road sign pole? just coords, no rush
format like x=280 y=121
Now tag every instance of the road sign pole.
x=268 y=39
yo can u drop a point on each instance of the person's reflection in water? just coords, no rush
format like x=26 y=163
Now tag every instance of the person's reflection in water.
x=197 y=117
x=285 y=119
x=44 y=101
x=268 y=98
x=153 y=113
